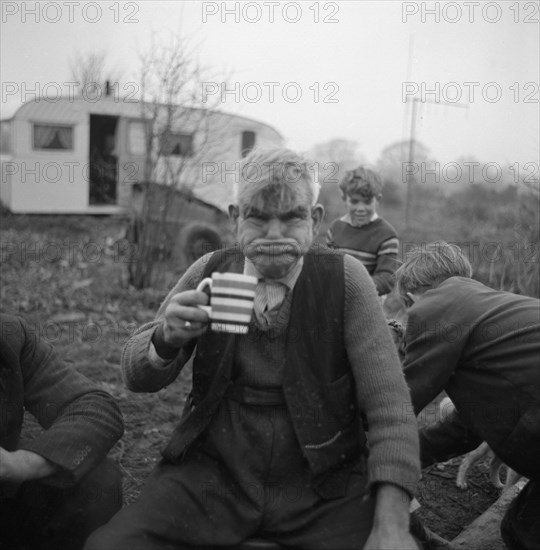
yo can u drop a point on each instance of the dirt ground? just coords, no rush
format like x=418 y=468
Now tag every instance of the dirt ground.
x=446 y=509
x=80 y=302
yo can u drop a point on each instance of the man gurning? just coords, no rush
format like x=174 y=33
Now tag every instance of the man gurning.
x=272 y=441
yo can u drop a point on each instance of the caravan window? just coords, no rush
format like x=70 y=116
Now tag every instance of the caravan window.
x=5 y=139
x=53 y=136
x=248 y=142
x=177 y=145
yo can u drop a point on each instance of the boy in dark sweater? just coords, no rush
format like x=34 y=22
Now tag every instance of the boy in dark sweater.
x=361 y=232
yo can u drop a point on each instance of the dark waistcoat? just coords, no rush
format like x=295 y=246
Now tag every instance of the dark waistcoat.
x=317 y=383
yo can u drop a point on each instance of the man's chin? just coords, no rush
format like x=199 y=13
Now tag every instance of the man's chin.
x=273 y=268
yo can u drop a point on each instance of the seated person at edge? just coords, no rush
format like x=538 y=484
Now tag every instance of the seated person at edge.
x=272 y=442
x=57 y=487
x=362 y=233
x=482 y=346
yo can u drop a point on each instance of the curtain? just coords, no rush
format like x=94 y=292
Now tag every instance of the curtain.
x=53 y=137
x=65 y=136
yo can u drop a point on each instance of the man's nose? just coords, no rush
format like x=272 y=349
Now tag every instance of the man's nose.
x=274 y=229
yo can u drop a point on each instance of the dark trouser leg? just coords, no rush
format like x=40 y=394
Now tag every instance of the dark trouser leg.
x=182 y=506
x=52 y=518
x=9 y=531
x=298 y=517
x=520 y=527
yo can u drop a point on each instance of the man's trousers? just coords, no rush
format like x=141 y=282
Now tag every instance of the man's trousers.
x=45 y=517
x=246 y=476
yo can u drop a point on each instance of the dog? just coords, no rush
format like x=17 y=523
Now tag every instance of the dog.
x=482 y=453
x=496 y=465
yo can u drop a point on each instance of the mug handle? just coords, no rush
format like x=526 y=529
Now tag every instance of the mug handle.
x=206 y=282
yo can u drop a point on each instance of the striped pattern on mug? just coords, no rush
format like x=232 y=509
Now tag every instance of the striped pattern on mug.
x=232 y=301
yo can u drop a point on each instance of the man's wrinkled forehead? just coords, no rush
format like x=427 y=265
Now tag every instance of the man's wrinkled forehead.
x=275 y=200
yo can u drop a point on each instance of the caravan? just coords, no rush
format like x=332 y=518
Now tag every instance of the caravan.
x=74 y=156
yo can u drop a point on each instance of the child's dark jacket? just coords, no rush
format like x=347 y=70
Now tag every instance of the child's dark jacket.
x=482 y=347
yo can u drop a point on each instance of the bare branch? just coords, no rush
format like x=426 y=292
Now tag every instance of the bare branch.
x=90 y=71
x=183 y=130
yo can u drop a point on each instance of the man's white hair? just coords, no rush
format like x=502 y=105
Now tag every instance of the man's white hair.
x=282 y=169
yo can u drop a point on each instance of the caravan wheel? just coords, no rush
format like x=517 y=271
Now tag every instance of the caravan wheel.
x=199 y=240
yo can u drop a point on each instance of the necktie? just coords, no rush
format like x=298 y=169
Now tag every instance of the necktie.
x=269 y=296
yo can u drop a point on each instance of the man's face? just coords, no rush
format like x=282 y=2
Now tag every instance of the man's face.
x=360 y=209
x=275 y=236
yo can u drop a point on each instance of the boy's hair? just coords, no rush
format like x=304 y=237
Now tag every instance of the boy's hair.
x=429 y=265
x=361 y=181
x=272 y=176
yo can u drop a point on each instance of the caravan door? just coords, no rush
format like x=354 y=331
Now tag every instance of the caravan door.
x=103 y=173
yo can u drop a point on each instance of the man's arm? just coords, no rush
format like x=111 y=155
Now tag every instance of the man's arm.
x=81 y=422
x=391 y=520
x=149 y=362
x=393 y=465
x=435 y=337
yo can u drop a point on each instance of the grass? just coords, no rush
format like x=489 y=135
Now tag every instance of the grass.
x=67 y=276
x=64 y=276
x=498 y=230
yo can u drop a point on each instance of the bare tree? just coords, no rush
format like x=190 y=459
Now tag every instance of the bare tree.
x=335 y=157
x=345 y=152
x=91 y=72
x=527 y=231
x=393 y=160
x=182 y=131
x=331 y=159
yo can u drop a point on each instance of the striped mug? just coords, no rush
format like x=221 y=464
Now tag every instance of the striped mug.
x=231 y=301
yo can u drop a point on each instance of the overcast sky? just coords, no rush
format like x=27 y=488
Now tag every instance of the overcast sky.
x=339 y=67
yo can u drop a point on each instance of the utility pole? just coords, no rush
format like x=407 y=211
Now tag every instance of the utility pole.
x=410 y=176
x=412 y=137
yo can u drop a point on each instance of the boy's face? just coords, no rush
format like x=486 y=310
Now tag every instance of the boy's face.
x=275 y=236
x=360 y=209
